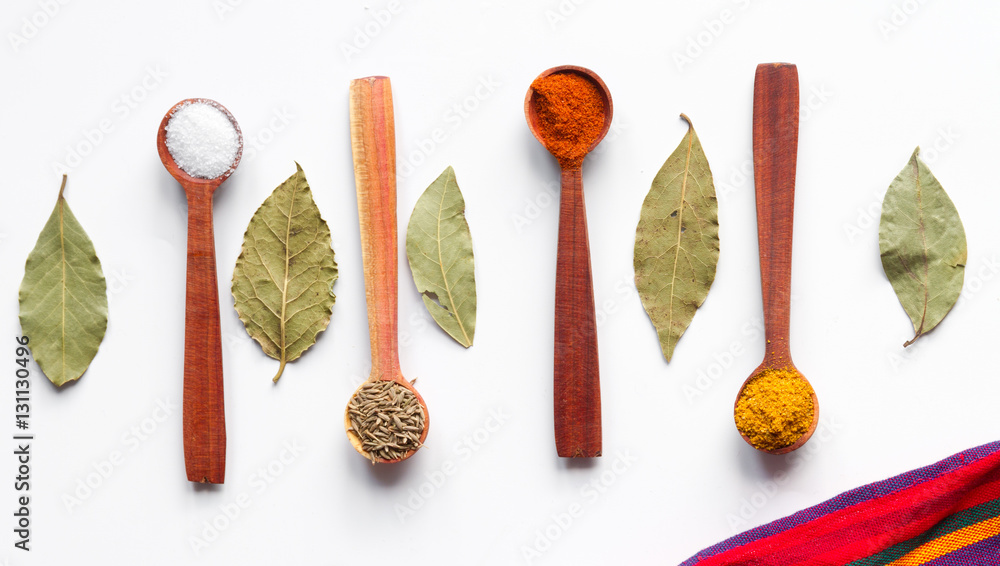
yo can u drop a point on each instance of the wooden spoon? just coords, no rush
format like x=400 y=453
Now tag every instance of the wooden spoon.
x=775 y=146
x=204 y=408
x=373 y=141
x=577 y=386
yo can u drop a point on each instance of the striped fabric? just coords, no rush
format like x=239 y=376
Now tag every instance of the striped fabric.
x=947 y=514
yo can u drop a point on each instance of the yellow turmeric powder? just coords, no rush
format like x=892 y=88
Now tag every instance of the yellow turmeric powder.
x=775 y=408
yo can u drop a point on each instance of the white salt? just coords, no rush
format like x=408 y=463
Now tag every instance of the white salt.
x=202 y=140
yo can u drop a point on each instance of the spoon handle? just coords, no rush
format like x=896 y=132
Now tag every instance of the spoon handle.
x=373 y=142
x=204 y=409
x=775 y=143
x=577 y=385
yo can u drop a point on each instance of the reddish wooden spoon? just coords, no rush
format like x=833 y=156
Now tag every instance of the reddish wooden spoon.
x=373 y=143
x=775 y=146
x=577 y=384
x=204 y=409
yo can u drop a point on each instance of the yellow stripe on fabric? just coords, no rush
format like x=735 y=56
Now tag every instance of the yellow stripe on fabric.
x=949 y=543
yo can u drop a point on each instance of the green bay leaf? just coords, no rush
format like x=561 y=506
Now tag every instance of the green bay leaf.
x=63 y=297
x=922 y=243
x=439 y=249
x=283 y=282
x=677 y=241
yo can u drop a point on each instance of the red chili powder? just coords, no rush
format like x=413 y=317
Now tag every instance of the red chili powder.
x=570 y=112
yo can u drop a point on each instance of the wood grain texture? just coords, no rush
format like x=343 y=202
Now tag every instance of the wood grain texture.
x=373 y=144
x=373 y=138
x=577 y=384
x=204 y=412
x=775 y=149
x=576 y=374
x=204 y=404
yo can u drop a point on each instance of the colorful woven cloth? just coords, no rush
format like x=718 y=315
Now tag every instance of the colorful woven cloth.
x=947 y=514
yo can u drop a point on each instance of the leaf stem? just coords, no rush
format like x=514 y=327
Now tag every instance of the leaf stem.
x=281 y=368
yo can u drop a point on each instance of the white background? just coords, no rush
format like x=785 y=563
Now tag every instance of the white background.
x=877 y=79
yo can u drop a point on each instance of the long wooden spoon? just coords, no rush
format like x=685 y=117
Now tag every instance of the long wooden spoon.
x=577 y=384
x=204 y=405
x=373 y=142
x=775 y=146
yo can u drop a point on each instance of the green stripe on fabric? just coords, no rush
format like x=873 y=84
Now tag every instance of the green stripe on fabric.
x=947 y=525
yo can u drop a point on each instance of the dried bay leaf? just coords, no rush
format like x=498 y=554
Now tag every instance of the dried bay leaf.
x=283 y=282
x=439 y=249
x=63 y=297
x=922 y=243
x=677 y=241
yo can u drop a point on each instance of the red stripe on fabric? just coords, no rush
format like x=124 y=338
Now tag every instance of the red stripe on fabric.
x=916 y=511
x=851 y=551
x=979 y=495
x=900 y=516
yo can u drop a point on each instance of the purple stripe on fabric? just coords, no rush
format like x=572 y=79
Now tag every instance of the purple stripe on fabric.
x=849 y=498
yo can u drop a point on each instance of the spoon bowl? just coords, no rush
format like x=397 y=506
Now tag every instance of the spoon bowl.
x=203 y=408
x=355 y=440
x=576 y=375
x=815 y=403
x=171 y=165
x=775 y=147
x=531 y=101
